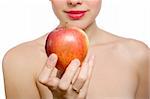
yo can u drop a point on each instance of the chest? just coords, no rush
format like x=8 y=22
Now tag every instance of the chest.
x=113 y=76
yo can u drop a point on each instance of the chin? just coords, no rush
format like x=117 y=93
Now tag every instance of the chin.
x=82 y=24
x=79 y=25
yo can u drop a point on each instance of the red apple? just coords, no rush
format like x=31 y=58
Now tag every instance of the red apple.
x=67 y=44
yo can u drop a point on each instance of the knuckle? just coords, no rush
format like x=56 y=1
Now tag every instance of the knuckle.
x=52 y=82
x=82 y=78
x=62 y=87
x=42 y=80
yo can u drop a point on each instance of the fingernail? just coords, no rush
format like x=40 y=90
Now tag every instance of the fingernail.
x=53 y=59
x=76 y=62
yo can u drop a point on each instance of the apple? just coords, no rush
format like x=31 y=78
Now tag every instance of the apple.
x=67 y=44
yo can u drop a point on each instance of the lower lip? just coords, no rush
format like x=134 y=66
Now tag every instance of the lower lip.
x=76 y=16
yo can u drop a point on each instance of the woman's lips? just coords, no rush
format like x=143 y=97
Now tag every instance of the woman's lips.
x=76 y=14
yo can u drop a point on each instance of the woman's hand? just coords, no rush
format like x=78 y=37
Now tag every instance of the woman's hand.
x=74 y=82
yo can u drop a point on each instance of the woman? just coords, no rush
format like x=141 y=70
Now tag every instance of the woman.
x=115 y=67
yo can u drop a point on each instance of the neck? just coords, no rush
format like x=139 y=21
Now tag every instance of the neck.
x=92 y=31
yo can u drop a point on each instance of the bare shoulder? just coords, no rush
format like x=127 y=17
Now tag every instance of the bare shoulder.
x=22 y=54
x=135 y=52
x=138 y=53
x=17 y=55
x=128 y=48
x=19 y=66
x=136 y=49
x=131 y=48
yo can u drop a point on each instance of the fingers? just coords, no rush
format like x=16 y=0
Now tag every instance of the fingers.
x=53 y=83
x=84 y=89
x=68 y=75
x=76 y=75
x=48 y=68
x=79 y=82
x=78 y=71
x=79 y=76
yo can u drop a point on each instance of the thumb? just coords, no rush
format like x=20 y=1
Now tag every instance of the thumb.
x=48 y=68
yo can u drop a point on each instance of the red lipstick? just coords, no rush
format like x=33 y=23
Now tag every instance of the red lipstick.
x=75 y=14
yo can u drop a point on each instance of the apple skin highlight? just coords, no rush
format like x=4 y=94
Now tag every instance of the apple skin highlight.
x=67 y=44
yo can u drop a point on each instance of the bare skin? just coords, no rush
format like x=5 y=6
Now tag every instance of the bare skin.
x=120 y=69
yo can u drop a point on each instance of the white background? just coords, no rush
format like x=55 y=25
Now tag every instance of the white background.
x=23 y=20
